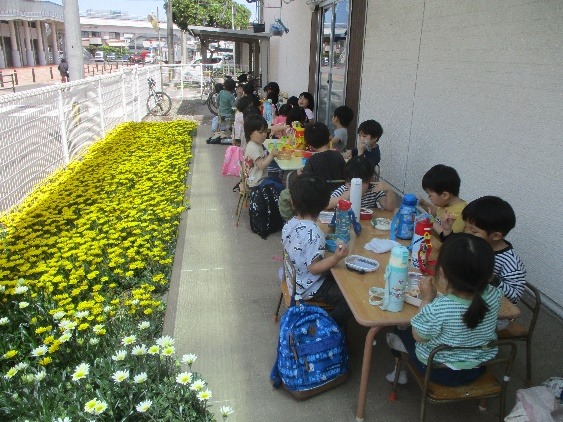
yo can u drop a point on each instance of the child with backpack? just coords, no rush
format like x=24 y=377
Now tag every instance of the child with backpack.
x=304 y=242
x=465 y=316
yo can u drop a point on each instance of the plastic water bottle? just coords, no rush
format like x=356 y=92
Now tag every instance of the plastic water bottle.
x=396 y=275
x=356 y=196
x=402 y=225
x=343 y=220
x=268 y=113
x=423 y=226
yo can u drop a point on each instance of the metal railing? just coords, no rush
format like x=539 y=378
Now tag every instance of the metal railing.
x=41 y=130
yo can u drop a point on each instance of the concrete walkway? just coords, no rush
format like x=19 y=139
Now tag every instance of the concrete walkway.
x=224 y=290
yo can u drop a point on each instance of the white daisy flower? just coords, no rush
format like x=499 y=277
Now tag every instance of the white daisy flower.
x=120 y=376
x=184 y=378
x=189 y=359
x=144 y=325
x=197 y=385
x=204 y=395
x=20 y=290
x=140 y=378
x=226 y=411
x=165 y=341
x=39 y=351
x=119 y=355
x=81 y=371
x=128 y=340
x=143 y=406
x=4 y=321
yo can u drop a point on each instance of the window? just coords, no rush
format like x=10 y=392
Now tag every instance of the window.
x=114 y=35
x=96 y=34
x=85 y=34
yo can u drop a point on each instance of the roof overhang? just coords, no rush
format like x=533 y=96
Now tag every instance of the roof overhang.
x=222 y=34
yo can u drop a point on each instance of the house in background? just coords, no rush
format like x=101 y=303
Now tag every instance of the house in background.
x=474 y=85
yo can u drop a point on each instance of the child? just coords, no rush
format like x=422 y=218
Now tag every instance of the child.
x=441 y=183
x=238 y=126
x=304 y=242
x=492 y=218
x=342 y=117
x=465 y=316
x=226 y=100
x=281 y=118
x=256 y=157
x=381 y=193
x=325 y=163
x=239 y=92
x=307 y=101
x=272 y=91
x=293 y=101
x=369 y=133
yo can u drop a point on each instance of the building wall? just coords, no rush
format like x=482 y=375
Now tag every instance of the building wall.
x=475 y=85
x=289 y=54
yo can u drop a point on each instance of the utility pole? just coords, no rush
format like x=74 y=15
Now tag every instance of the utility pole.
x=170 y=32
x=73 y=40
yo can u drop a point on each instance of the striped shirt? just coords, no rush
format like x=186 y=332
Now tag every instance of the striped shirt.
x=369 y=200
x=511 y=274
x=441 y=322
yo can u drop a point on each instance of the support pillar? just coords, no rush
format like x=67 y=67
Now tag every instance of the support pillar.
x=54 y=45
x=2 y=61
x=29 y=59
x=16 y=61
x=45 y=42
x=41 y=47
x=73 y=40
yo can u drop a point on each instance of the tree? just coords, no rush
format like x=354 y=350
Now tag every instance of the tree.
x=214 y=13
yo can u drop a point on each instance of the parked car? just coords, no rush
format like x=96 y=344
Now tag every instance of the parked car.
x=125 y=58
x=111 y=57
x=150 y=58
x=136 y=58
x=99 y=56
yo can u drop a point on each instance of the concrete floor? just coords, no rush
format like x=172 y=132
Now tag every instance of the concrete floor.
x=224 y=290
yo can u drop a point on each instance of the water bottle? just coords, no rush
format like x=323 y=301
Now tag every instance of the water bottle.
x=396 y=275
x=402 y=225
x=343 y=220
x=422 y=228
x=268 y=113
x=356 y=196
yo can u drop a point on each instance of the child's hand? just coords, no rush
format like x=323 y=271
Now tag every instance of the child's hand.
x=382 y=187
x=347 y=155
x=447 y=222
x=274 y=152
x=361 y=147
x=427 y=289
x=341 y=250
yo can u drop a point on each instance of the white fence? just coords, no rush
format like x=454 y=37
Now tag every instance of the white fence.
x=41 y=130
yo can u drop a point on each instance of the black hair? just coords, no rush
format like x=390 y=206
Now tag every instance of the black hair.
x=490 y=213
x=253 y=123
x=229 y=84
x=250 y=110
x=359 y=167
x=272 y=86
x=468 y=262
x=344 y=114
x=440 y=179
x=244 y=102
x=273 y=97
x=372 y=128
x=309 y=195
x=284 y=110
x=317 y=135
x=296 y=114
x=309 y=97
x=293 y=101
x=248 y=89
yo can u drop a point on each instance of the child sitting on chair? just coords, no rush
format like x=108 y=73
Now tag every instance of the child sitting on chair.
x=341 y=119
x=325 y=163
x=380 y=193
x=304 y=243
x=226 y=100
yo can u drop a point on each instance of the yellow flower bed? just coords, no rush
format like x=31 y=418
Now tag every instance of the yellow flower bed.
x=86 y=257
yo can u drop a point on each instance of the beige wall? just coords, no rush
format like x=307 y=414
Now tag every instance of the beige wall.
x=475 y=85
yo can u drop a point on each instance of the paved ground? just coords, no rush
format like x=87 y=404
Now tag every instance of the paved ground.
x=220 y=306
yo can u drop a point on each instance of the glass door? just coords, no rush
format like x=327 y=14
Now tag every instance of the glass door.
x=332 y=60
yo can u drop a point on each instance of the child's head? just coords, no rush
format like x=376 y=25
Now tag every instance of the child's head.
x=284 y=110
x=255 y=128
x=467 y=263
x=293 y=101
x=248 y=89
x=229 y=85
x=344 y=114
x=317 y=135
x=306 y=100
x=441 y=183
x=250 y=110
x=296 y=114
x=273 y=97
x=489 y=218
x=359 y=167
x=309 y=195
x=239 y=90
x=244 y=102
x=370 y=131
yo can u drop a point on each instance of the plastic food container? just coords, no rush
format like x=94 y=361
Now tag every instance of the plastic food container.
x=366 y=214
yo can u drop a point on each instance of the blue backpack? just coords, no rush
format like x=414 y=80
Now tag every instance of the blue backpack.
x=312 y=355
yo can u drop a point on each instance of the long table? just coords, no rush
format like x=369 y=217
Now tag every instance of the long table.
x=294 y=163
x=355 y=288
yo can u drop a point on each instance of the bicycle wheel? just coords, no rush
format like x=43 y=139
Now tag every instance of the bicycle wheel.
x=159 y=104
x=213 y=103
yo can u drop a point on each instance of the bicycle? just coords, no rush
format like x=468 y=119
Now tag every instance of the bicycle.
x=158 y=102
x=209 y=92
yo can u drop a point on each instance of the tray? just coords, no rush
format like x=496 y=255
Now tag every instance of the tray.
x=361 y=264
x=381 y=224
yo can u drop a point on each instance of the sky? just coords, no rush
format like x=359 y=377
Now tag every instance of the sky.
x=136 y=7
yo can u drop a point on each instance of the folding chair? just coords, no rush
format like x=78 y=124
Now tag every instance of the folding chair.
x=517 y=331
x=484 y=387
x=289 y=276
x=243 y=194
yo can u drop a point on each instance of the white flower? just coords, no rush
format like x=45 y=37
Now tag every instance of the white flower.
x=28 y=378
x=197 y=385
x=80 y=371
x=119 y=355
x=94 y=340
x=107 y=308
x=82 y=314
x=40 y=376
x=21 y=366
x=67 y=325
x=168 y=351
x=23 y=305
x=120 y=376
x=98 y=328
x=95 y=407
x=226 y=411
x=165 y=341
x=140 y=378
x=139 y=350
x=143 y=406
x=144 y=325
x=4 y=320
x=2 y=288
x=189 y=359
x=135 y=302
x=65 y=419
x=65 y=337
x=13 y=371
x=128 y=340
x=204 y=395
x=154 y=350
x=39 y=351
x=58 y=315
x=20 y=290
x=184 y=378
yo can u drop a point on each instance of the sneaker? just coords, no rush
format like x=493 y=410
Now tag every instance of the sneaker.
x=402 y=377
x=395 y=342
